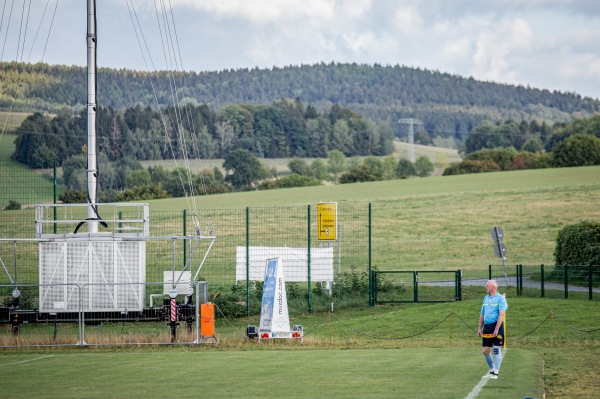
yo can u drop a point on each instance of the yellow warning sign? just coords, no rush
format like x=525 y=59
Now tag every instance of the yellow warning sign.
x=327 y=221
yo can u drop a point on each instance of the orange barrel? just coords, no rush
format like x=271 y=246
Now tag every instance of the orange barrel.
x=207 y=317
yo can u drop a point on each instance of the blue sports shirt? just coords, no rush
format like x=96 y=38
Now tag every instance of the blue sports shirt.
x=492 y=305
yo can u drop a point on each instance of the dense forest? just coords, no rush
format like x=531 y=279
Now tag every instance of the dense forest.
x=449 y=106
x=286 y=128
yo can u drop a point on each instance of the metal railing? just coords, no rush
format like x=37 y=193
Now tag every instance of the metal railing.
x=398 y=286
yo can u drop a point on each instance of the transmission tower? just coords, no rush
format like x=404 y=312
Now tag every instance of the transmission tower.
x=411 y=122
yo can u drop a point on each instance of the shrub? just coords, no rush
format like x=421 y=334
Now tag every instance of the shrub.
x=500 y=156
x=578 y=246
x=361 y=173
x=470 y=166
x=405 y=169
x=13 y=206
x=292 y=180
x=577 y=150
x=142 y=193
x=73 y=197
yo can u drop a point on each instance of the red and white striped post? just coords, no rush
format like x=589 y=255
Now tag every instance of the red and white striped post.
x=173 y=314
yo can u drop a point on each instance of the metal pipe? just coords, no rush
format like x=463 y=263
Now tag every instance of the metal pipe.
x=92 y=163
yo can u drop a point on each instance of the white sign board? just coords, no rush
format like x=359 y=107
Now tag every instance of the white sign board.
x=294 y=262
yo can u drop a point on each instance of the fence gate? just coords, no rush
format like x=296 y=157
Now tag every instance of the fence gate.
x=398 y=286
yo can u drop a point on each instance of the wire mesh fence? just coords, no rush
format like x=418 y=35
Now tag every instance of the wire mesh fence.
x=172 y=245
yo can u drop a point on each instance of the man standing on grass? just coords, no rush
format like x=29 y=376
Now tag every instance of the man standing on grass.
x=491 y=326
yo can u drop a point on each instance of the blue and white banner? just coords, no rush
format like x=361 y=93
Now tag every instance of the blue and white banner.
x=274 y=318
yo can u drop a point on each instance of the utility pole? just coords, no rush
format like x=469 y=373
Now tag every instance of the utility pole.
x=411 y=135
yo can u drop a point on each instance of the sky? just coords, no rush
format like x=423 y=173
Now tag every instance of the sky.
x=545 y=44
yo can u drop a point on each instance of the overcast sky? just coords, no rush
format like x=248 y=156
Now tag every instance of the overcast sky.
x=547 y=44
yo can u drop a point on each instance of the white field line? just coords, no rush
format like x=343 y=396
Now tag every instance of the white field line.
x=473 y=394
x=26 y=361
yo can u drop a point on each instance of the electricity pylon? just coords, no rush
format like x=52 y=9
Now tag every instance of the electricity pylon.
x=411 y=135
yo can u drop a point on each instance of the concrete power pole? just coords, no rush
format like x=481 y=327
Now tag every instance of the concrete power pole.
x=411 y=135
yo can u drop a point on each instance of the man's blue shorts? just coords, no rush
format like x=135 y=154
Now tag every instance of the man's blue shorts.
x=497 y=340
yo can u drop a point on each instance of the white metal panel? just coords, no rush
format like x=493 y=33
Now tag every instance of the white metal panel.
x=108 y=275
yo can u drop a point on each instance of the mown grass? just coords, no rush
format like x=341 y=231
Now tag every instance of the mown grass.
x=407 y=351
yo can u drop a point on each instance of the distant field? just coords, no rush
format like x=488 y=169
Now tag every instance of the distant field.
x=440 y=222
x=9 y=121
x=445 y=222
x=18 y=182
x=440 y=157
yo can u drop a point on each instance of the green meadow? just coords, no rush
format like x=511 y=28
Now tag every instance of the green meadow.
x=444 y=222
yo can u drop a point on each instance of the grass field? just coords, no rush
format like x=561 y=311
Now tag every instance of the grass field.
x=18 y=182
x=354 y=373
x=398 y=351
x=444 y=223
x=440 y=157
x=9 y=121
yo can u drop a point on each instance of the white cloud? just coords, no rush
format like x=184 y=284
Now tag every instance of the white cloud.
x=263 y=11
x=408 y=20
x=497 y=47
x=552 y=44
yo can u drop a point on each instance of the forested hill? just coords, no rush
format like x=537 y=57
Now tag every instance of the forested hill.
x=449 y=105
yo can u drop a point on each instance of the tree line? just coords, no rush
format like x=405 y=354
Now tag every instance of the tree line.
x=530 y=145
x=450 y=106
x=285 y=128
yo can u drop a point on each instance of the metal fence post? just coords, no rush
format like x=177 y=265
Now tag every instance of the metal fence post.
x=247 y=261
x=374 y=287
x=308 y=259
x=566 y=281
x=81 y=319
x=458 y=285
x=184 y=234
x=519 y=278
x=590 y=280
x=54 y=186
x=371 y=302
x=197 y=310
x=416 y=286
x=489 y=272
x=542 y=278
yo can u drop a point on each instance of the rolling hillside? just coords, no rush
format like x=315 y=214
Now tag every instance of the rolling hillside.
x=449 y=105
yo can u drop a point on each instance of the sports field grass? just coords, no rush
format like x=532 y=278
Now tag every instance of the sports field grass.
x=355 y=373
x=390 y=351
